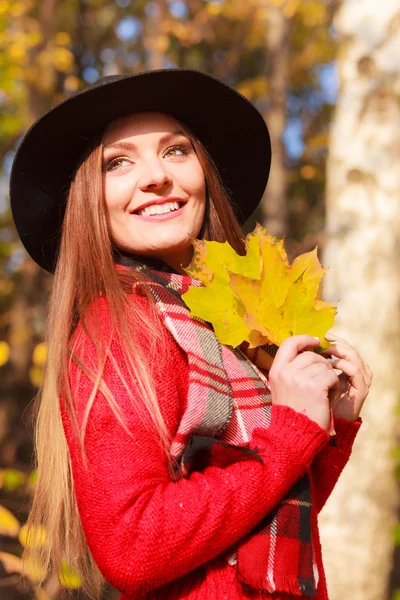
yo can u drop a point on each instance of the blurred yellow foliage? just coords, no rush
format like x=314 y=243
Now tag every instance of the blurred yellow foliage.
x=34 y=569
x=4 y=353
x=16 y=51
x=32 y=537
x=69 y=578
x=36 y=376
x=276 y=2
x=214 y=8
x=63 y=38
x=161 y=43
x=4 y=6
x=262 y=13
x=313 y=12
x=32 y=478
x=39 y=354
x=9 y=525
x=63 y=59
x=11 y=479
x=187 y=36
x=17 y=9
x=237 y=10
x=71 y=84
x=254 y=88
x=44 y=59
x=290 y=8
x=34 y=37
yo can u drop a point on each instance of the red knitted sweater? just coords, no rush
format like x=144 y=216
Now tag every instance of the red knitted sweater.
x=154 y=538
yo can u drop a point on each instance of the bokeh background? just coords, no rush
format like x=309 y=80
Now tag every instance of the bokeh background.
x=326 y=76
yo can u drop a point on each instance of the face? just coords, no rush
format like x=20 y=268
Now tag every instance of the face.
x=154 y=187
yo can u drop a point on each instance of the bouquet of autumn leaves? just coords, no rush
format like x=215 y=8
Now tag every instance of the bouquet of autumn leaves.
x=258 y=298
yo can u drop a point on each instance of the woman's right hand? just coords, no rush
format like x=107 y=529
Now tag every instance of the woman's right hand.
x=302 y=379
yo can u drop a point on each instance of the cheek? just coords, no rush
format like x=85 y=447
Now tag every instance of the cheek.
x=115 y=193
x=196 y=185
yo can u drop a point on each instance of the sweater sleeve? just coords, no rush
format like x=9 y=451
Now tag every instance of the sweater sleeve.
x=330 y=462
x=143 y=529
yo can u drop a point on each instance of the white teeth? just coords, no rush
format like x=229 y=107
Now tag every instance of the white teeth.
x=159 y=209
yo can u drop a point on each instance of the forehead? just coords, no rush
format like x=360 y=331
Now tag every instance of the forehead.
x=140 y=124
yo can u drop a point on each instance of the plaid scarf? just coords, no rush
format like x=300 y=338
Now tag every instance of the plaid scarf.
x=228 y=397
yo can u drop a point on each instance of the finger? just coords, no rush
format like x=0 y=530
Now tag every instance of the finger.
x=310 y=371
x=307 y=358
x=291 y=347
x=356 y=360
x=344 y=383
x=343 y=349
x=354 y=374
x=343 y=346
x=327 y=379
x=332 y=337
x=369 y=372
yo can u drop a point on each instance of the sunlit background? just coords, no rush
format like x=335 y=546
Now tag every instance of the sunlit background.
x=326 y=76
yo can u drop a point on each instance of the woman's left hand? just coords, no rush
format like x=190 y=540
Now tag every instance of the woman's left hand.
x=347 y=398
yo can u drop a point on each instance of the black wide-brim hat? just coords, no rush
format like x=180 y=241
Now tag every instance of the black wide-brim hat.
x=229 y=126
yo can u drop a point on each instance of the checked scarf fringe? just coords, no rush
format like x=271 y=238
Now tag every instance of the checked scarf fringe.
x=228 y=397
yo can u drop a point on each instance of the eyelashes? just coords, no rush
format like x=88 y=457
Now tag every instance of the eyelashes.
x=112 y=161
x=180 y=147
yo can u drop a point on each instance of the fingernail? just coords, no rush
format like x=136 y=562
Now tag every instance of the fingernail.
x=316 y=338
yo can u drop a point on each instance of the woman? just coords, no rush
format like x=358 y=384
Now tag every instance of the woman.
x=164 y=458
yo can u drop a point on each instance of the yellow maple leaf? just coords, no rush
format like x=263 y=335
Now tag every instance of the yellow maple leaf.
x=259 y=297
x=216 y=302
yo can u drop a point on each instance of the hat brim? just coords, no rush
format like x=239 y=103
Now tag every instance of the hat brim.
x=229 y=126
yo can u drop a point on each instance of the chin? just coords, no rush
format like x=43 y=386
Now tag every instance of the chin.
x=174 y=245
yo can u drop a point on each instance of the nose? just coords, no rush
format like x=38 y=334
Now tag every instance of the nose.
x=154 y=176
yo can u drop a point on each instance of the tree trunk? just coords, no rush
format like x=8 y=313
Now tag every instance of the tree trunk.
x=278 y=43
x=155 y=40
x=41 y=92
x=363 y=252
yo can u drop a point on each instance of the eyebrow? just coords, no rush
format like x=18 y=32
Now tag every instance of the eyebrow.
x=125 y=145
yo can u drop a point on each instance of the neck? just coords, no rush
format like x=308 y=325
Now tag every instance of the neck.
x=178 y=262
x=167 y=264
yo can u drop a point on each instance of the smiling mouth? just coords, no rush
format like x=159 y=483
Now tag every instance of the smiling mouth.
x=159 y=209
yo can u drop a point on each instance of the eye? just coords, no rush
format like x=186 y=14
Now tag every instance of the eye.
x=177 y=151
x=116 y=163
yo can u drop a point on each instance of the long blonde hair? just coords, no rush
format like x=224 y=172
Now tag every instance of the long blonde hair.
x=85 y=271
